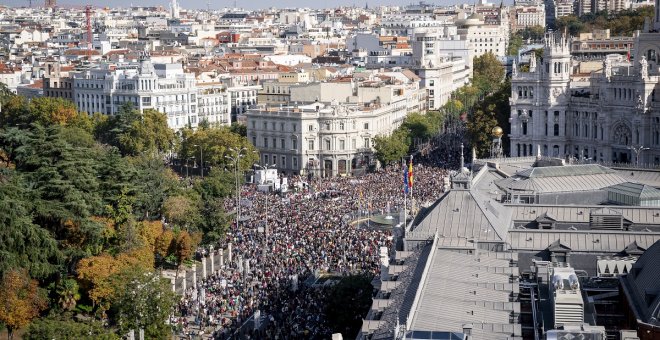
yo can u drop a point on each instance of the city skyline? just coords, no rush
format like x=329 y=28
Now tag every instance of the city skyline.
x=216 y=5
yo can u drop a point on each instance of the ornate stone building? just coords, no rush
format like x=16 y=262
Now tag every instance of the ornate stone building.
x=611 y=115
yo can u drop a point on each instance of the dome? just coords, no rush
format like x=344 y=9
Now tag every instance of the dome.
x=497 y=132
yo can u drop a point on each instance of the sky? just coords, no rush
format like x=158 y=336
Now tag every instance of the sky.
x=215 y=4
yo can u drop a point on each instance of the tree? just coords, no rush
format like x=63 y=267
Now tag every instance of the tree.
x=20 y=300
x=239 y=129
x=135 y=133
x=23 y=244
x=488 y=72
x=479 y=125
x=142 y=300
x=62 y=328
x=391 y=148
x=215 y=143
x=419 y=126
x=67 y=294
x=182 y=211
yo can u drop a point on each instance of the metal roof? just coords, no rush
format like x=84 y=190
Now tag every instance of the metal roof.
x=565 y=170
x=552 y=184
x=465 y=289
x=594 y=241
x=466 y=214
x=580 y=214
x=643 y=280
x=637 y=190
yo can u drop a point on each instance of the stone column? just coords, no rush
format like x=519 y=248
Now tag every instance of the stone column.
x=222 y=258
x=229 y=255
x=204 y=267
x=174 y=284
x=194 y=272
x=212 y=262
x=184 y=280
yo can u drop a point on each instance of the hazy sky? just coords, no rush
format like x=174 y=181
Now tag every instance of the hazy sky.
x=215 y=4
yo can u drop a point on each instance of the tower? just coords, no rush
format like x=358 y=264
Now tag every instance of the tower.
x=50 y=3
x=174 y=8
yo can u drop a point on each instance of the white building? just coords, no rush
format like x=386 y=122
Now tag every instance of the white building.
x=604 y=116
x=441 y=70
x=484 y=37
x=529 y=16
x=324 y=139
x=214 y=103
x=162 y=87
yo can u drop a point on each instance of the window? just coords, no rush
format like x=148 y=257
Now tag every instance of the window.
x=310 y=145
x=431 y=82
x=327 y=126
x=524 y=128
x=266 y=159
x=310 y=127
x=274 y=143
x=354 y=144
x=295 y=162
x=254 y=124
x=327 y=144
x=283 y=161
x=254 y=140
x=265 y=142
x=272 y=125
x=367 y=143
x=342 y=144
x=281 y=126
x=294 y=144
x=556 y=130
x=282 y=143
x=295 y=126
x=366 y=126
x=265 y=126
x=341 y=126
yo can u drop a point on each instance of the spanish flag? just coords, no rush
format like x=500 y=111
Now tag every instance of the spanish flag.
x=410 y=173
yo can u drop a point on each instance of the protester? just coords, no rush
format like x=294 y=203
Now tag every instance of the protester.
x=298 y=236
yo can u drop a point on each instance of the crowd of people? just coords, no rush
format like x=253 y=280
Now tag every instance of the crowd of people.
x=284 y=240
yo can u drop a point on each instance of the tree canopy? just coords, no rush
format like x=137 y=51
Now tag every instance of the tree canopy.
x=90 y=206
x=622 y=23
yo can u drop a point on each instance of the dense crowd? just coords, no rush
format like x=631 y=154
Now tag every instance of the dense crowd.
x=284 y=240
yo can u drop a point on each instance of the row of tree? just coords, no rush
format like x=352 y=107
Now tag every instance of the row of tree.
x=622 y=23
x=483 y=104
x=82 y=204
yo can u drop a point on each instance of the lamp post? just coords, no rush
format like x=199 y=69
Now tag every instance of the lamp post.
x=637 y=150
x=201 y=160
x=237 y=155
x=266 y=167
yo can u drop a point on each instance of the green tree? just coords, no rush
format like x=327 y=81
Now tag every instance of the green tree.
x=67 y=295
x=23 y=244
x=142 y=300
x=419 y=126
x=488 y=73
x=62 y=328
x=239 y=129
x=391 y=148
x=134 y=133
x=215 y=144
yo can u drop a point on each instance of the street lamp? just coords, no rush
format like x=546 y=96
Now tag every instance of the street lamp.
x=265 y=167
x=637 y=150
x=238 y=154
x=201 y=160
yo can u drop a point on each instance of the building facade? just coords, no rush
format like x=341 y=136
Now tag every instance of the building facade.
x=162 y=87
x=323 y=139
x=609 y=116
